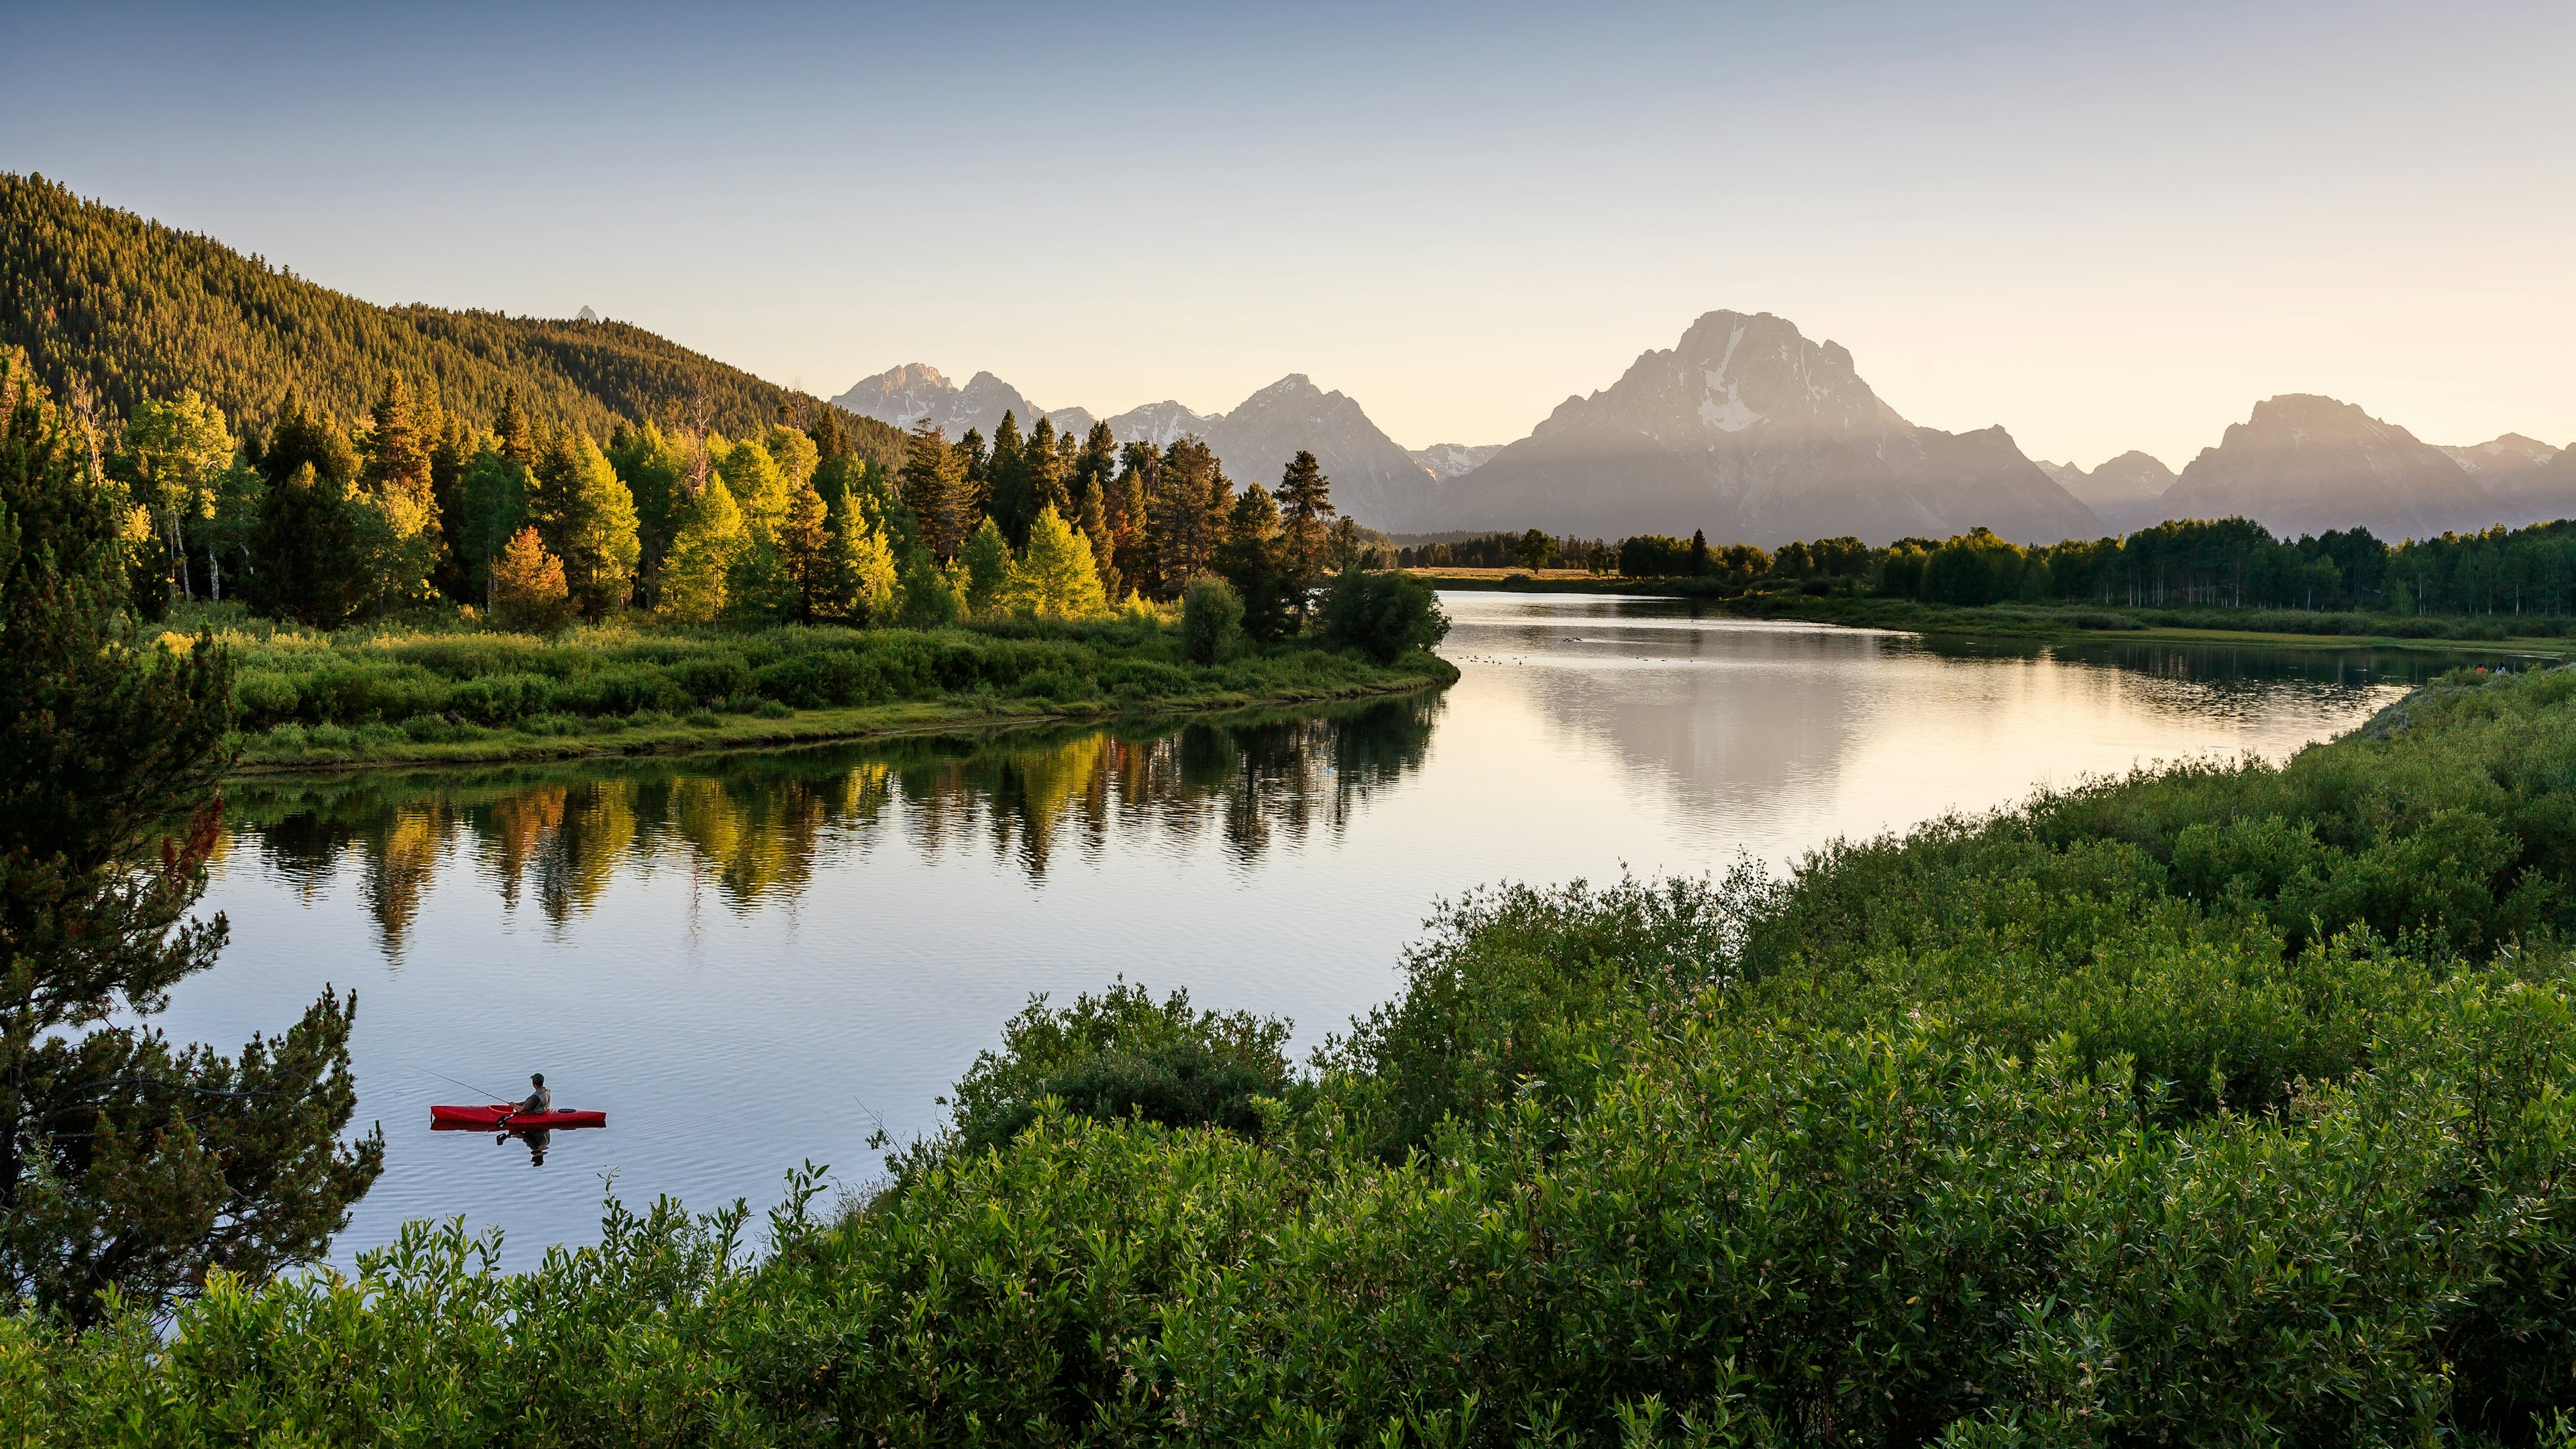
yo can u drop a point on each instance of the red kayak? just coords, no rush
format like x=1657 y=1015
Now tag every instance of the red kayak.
x=503 y=1117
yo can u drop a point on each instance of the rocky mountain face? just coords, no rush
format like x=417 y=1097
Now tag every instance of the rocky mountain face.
x=2526 y=480
x=2305 y=464
x=1754 y=433
x=2126 y=492
x=1444 y=461
x=1374 y=480
x=905 y=395
x=1162 y=424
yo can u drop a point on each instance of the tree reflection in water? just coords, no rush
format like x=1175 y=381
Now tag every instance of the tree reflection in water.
x=756 y=826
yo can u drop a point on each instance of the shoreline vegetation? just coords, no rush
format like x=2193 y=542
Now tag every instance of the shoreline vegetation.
x=367 y=697
x=2049 y=622
x=2242 y=1080
x=2185 y=580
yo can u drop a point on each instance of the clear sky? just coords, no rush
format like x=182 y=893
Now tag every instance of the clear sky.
x=2103 y=226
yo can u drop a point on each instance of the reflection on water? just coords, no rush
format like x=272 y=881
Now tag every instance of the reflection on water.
x=755 y=828
x=833 y=934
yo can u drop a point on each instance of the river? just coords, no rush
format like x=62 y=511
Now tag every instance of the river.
x=753 y=961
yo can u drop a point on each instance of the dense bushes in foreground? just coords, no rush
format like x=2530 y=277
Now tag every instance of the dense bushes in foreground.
x=2224 y=1104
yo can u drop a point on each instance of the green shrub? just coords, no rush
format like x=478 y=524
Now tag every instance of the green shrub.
x=1382 y=614
x=1117 y=1056
x=1211 y=618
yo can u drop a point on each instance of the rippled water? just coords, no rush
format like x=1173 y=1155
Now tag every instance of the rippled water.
x=750 y=961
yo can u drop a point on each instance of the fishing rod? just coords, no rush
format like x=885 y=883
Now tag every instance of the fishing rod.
x=444 y=1077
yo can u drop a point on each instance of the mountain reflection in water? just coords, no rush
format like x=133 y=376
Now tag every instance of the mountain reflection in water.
x=756 y=827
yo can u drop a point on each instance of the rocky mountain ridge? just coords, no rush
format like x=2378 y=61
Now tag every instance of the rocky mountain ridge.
x=2127 y=492
x=2304 y=464
x=1750 y=431
x=1374 y=480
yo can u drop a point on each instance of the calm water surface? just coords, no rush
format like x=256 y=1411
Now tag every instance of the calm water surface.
x=753 y=961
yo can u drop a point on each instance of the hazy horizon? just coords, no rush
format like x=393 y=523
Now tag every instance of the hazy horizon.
x=2103 y=231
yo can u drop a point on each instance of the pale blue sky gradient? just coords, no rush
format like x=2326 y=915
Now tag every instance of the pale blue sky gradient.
x=2102 y=226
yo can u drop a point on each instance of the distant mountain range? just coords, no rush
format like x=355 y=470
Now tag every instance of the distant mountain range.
x=1751 y=432
x=2125 y=493
x=1374 y=480
x=2306 y=464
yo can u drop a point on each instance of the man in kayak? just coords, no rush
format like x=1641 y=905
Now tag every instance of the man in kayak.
x=539 y=1100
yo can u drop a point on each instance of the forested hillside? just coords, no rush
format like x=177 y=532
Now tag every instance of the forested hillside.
x=137 y=310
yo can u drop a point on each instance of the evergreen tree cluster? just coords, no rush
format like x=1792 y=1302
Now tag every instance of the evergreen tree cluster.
x=1530 y=549
x=1151 y=519
x=2223 y=563
x=129 y=311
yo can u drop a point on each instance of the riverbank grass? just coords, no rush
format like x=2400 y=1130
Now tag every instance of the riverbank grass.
x=438 y=692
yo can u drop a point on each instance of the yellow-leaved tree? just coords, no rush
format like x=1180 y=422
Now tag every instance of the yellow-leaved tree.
x=710 y=542
x=1055 y=576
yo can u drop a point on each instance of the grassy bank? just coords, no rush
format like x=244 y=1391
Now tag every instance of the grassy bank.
x=2223 y=1104
x=440 y=694
x=2549 y=636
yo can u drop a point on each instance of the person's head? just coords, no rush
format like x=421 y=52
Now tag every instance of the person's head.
x=536 y=1079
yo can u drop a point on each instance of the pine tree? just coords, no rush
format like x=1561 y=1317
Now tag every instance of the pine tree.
x=1009 y=489
x=1055 y=577
x=400 y=514
x=1128 y=514
x=804 y=541
x=975 y=497
x=528 y=591
x=126 y=1163
x=1095 y=531
x=986 y=559
x=1059 y=492
x=1188 y=516
x=517 y=432
x=711 y=540
x=312 y=551
x=449 y=455
x=1305 y=513
x=232 y=532
x=1095 y=468
x=925 y=596
x=587 y=518
x=301 y=436
x=492 y=507
x=397 y=453
x=1253 y=558
x=933 y=478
